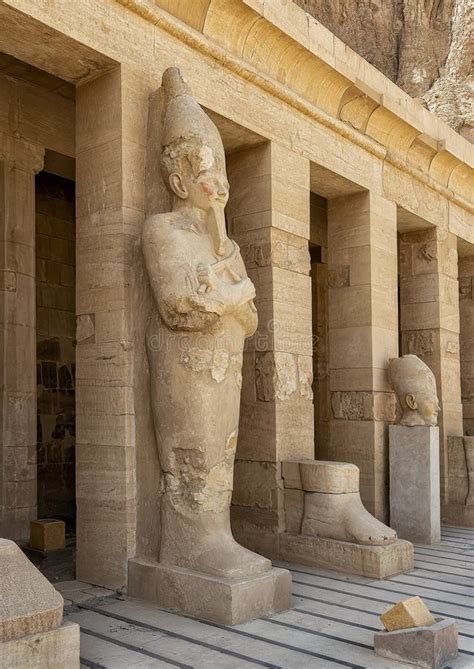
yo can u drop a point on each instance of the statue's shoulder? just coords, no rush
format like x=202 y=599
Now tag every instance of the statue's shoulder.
x=159 y=228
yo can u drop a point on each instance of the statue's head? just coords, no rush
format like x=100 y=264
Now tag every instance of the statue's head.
x=192 y=155
x=415 y=386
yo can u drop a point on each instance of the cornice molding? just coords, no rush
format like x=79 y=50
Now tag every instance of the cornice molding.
x=198 y=41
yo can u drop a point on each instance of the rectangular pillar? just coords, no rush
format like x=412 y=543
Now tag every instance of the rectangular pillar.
x=363 y=335
x=429 y=321
x=19 y=162
x=466 y=313
x=268 y=214
x=111 y=119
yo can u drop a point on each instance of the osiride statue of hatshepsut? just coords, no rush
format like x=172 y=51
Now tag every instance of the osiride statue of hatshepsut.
x=204 y=310
x=236 y=308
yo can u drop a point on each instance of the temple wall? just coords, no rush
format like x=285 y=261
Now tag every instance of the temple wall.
x=327 y=123
x=466 y=311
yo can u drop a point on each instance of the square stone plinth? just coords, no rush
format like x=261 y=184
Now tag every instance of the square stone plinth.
x=208 y=597
x=45 y=650
x=47 y=534
x=430 y=647
x=415 y=509
x=371 y=561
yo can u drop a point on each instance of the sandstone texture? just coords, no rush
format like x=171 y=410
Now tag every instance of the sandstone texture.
x=429 y=647
x=47 y=534
x=422 y=45
x=29 y=603
x=411 y=612
x=415 y=483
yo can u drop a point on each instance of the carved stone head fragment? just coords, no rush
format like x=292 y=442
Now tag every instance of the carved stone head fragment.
x=415 y=386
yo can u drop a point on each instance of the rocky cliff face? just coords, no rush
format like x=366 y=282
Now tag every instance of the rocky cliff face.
x=425 y=46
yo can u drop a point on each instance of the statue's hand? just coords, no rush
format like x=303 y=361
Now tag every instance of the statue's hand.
x=232 y=295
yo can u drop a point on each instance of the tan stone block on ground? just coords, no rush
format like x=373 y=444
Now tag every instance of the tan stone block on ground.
x=28 y=602
x=47 y=534
x=411 y=612
x=56 y=649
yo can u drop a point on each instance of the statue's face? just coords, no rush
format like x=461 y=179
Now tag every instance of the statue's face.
x=203 y=183
x=208 y=188
x=428 y=407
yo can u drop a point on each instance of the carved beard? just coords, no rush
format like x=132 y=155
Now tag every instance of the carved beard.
x=216 y=227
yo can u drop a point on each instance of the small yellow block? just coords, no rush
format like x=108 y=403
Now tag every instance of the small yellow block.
x=47 y=534
x=411 y=612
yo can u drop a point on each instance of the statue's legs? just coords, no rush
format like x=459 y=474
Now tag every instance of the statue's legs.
x=196 y=422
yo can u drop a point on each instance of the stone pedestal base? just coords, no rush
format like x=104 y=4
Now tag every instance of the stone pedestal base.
x=414 y=483
x=208 y=597
x=45 y=650
x=371 y=561
x=430 y=647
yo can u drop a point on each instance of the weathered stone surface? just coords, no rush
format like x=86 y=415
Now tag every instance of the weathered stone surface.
x=411 y=612
x=29 y=603
x=423 y=47
x=343 y=517
x=414 y=483
x=415 y=386
x=429 y=647
x=350 y=558
x=227 y=601
x=329 y=477
x=43 y=650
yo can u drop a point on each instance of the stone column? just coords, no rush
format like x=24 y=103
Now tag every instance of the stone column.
x=111 y=132
x=19 y=162
x=429 y=321
x=363 y=335
x=466 y=312
x=268 y=215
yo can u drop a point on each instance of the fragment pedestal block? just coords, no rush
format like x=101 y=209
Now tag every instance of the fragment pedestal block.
x=429 y=647
x=32 y=632
x=415 y=511
x=58 y=648
x=208 y=597
x=371 y=561
x=47 y=534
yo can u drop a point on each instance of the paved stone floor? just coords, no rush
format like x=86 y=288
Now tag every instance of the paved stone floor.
x=332 y=623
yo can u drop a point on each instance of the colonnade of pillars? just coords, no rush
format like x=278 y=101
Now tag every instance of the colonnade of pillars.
x=269 y=216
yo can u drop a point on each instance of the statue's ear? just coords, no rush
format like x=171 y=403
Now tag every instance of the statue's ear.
x=177 y=186
x=411 y=402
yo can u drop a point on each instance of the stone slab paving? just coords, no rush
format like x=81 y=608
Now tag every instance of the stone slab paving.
x=332 y=623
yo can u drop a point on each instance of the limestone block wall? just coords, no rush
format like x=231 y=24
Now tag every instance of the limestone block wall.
x=36 y=113
x=363 y=335
x=429 y=320
x=268 y=215
x=55 y=341
x=466 y=312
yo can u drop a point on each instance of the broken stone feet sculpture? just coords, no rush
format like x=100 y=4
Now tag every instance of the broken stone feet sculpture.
x=203 y=311
x=345 y=518
x=328 y=526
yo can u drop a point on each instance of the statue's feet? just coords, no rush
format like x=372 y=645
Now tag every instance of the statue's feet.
x=228 y=559
x=217 y=555
x=345 y=518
